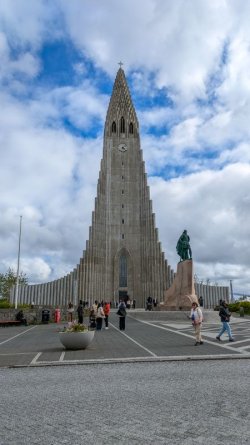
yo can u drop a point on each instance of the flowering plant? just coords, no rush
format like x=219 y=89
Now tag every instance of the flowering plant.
x=75 y=327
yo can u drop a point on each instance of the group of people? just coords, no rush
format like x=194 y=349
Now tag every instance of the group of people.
x=197 y=318
x=150 y=303
x=130 y=304
x=99 y=313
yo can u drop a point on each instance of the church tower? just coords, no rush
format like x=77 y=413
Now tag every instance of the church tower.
x=123 y=256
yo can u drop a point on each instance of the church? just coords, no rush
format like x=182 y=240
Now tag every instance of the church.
x=123 y=257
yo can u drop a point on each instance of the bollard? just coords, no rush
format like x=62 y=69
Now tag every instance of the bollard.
x=241 y=311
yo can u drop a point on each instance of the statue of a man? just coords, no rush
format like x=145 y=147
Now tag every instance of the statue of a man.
x=183 y=247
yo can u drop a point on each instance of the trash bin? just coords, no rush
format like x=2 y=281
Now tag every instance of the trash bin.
x=57 y=315
x=45 y=315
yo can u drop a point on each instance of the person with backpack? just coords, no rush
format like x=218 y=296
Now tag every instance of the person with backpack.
x=197 y=318
x=122 y=315
x=225 y=315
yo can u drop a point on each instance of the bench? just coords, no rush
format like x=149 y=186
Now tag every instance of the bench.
x=5 y=323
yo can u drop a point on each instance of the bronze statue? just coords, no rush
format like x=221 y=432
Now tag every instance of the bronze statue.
x=183 y=247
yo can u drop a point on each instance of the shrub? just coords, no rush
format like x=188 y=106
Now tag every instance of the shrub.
x=5 y=304
x=235 y=307
x=75 y=327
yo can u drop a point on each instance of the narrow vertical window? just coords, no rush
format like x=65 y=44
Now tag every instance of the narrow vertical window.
x=122 y=206
x=122 y=192
x=123 y=236
x=113 y=127
x=122 y=221
x=131 y=128
x=123 y=271
x=122 y=125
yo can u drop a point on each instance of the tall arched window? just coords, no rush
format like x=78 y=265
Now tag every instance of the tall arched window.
x=131 y=128
x=113 y=127
x=123 y=271
x=122 y=125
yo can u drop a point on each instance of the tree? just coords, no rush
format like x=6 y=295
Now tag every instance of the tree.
x=8 y=280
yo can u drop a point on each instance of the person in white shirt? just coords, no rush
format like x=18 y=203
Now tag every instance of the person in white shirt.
x=196 y=317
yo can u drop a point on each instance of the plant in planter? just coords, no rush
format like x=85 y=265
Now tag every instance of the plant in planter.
x=76 y=336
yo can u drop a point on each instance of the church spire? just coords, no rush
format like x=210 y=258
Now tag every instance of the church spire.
x=121 y=105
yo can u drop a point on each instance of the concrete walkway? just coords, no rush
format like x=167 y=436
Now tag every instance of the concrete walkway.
x=146 y=338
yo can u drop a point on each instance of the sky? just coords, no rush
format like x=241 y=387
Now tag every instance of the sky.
x=187 y=64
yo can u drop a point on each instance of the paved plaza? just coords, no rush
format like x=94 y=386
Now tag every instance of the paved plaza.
x=143 y=340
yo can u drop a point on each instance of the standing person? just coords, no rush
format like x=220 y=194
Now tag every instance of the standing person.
x=94 y=307
x=201 y=301
x=80 y=312
x=92 y=315
x=106 y=310
x=70 y=311
x=122 y=315
x=225 y=315
x=196 y=317
x=149 y=305
x=99 y=317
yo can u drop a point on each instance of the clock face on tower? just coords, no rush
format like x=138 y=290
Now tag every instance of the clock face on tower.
x=122 y=147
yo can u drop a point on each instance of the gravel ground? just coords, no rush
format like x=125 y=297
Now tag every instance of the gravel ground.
x=185 y=403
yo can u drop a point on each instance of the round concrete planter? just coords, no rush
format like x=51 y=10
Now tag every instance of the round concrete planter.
x=76 y=340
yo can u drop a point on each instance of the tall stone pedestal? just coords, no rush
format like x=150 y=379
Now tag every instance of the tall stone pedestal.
x=181 y=294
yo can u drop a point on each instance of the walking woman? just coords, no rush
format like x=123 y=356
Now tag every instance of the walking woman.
x=196 y=317
x=122 y=315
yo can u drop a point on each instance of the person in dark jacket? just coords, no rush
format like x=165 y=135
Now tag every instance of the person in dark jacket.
x=225 y=315
x=20 y=317
x=122 y=315
x=80 y=312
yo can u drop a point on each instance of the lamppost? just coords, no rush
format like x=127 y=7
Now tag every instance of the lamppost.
x=18 y=262
x=231 y=291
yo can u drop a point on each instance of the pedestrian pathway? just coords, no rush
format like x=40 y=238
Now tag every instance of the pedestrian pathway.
x=143 y=340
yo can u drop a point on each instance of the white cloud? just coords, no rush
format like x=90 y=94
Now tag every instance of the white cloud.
x=214 y=207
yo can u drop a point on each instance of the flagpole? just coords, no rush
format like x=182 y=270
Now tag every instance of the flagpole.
x=18 y=262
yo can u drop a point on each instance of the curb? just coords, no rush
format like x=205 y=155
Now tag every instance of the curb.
x=109 y=361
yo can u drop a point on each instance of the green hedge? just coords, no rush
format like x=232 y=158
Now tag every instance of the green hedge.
x=235 y=307
x=5 y=304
